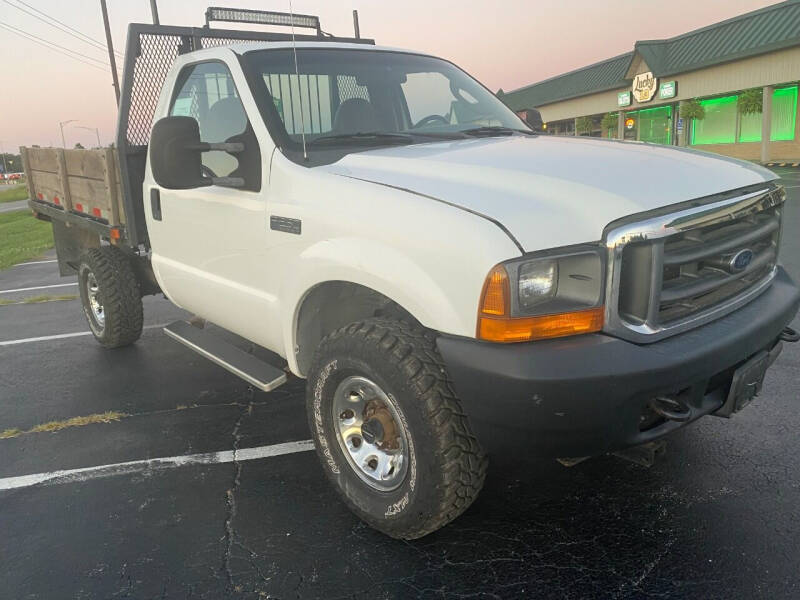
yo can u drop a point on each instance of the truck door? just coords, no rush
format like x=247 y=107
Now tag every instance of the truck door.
x=209 y=242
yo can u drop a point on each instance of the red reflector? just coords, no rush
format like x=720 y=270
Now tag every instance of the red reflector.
x=79 y=207
x=115 y=234
x=96 y=212
x=56 y=200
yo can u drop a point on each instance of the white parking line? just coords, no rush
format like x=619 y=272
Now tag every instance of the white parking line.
x=43 y=338
x=36 y=262
x=61 y=336
x=38 y=287
x=170 y=462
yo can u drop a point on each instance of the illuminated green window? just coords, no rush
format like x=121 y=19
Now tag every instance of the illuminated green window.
x=784 y=114
x=655 y=124
x=719 y=124
x=750 y=128
x=652 y=125
x=784 y=118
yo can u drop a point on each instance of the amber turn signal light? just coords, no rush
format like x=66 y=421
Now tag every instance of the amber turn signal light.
x=495 y=296
x=525 y=329
x=495 y=323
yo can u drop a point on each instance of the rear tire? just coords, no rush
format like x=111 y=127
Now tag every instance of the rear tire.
x=443 y=468
x=111 y=297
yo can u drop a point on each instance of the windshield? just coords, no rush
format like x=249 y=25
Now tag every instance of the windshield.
x=351 y=98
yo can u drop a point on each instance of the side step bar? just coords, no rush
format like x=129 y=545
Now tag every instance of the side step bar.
x=256 y=372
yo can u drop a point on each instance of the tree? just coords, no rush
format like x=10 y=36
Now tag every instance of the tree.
x=10 y=163
x=692 y=109
x=609 y=122
x=750 y=101
x=584 y=125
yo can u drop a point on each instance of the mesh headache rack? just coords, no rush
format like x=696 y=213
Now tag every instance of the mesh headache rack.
x=149 y=53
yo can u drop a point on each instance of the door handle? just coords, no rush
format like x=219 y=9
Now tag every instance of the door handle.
x=155 y=203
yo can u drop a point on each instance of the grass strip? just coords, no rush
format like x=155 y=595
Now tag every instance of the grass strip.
x=22 y=237
x=38 y=299
x=14 y=194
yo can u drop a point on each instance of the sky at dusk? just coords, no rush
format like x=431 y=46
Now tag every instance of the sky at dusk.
x=504 y=43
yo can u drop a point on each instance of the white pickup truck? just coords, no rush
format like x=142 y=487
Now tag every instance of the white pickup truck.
x=440 y=274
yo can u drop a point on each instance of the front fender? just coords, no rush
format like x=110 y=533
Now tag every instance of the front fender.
x=429 y=257
x=385 y=270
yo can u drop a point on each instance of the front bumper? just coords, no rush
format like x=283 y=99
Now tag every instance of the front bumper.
x=589 y=394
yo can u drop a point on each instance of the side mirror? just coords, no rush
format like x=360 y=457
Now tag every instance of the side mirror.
x=534 y=119
x=176 y=155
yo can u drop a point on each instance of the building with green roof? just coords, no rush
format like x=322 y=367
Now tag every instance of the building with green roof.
x=730 y=87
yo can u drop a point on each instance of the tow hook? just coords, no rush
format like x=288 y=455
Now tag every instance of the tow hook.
x=672 y=409
x=789 y=335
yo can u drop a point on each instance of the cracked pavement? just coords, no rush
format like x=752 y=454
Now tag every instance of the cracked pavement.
x=718 y=516
x=230 y=494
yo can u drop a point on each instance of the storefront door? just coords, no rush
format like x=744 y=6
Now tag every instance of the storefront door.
x=655 y=125
x=631 y=125
x=652 y=125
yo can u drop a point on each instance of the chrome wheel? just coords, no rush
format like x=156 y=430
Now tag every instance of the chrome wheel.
x=94 y=303
x=371 y=433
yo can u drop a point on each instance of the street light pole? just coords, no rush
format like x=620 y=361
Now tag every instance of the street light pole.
x=61 y=125
x=96 y=132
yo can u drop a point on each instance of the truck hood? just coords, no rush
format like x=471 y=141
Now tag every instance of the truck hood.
x=551 y=191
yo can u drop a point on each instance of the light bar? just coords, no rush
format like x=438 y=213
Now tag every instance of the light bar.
x=261 y=17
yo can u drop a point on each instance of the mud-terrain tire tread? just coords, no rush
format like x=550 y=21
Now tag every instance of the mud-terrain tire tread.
x=411 y=349
x=120 y=294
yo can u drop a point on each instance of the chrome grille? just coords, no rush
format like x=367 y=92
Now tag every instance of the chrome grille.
x=677 y=271
x=699 y=266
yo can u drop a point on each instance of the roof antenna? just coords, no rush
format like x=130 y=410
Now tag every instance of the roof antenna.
x=299 y=87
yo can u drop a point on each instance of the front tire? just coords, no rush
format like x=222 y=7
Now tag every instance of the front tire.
x=110 y=295
x=389 y=429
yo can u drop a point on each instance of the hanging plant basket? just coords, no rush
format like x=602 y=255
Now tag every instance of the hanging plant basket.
x=750 y=102
x=692 y=109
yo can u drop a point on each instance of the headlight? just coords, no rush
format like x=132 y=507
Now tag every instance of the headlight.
x=543 y=295
x=537 y=282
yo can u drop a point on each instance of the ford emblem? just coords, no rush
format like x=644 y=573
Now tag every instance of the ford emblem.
x=741 y=260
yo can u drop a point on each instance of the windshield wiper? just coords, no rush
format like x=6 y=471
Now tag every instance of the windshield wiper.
x=487 y=131
x=373 y=137
x=439 y=135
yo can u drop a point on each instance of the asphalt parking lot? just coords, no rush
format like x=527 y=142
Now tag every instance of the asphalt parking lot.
x=152 y=504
